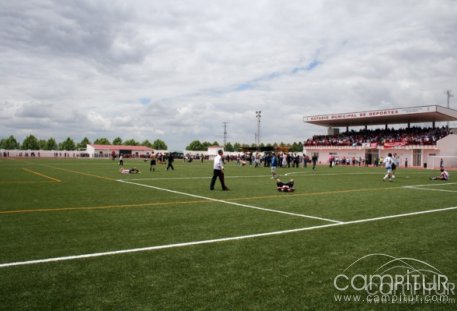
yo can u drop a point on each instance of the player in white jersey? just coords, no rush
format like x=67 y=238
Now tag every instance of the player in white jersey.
x=388 y=161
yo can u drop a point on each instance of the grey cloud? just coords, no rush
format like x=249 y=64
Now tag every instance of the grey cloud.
x=93 y=30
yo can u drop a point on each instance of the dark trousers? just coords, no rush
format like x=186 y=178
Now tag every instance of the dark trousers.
x=216 y=174
x=170 y=166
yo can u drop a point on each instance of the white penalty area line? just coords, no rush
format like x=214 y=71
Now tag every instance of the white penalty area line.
x=316 y=173
x=423 y=187
x=212 y=241
x=229 y=202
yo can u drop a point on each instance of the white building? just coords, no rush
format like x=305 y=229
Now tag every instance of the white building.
x=106 y=151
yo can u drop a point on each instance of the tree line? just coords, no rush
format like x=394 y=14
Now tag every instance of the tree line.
x=196 y=145
x=33 y=143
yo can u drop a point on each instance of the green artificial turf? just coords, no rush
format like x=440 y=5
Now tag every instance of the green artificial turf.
x=261 y=249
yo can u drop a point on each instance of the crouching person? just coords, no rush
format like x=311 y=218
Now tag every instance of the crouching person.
x=132 y=170
x=285 y=187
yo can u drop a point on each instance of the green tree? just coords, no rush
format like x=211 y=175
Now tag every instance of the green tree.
x=30 y=143
x=236 y=147
x=229 y=147
x=297 y=147
x=204 y=145
x=51 y=144
x=42 y=144
x=67 y=144
x=195 y=145
x=83 y=143
x=117 y=141
x=146 y=143
x=159 y=145
x=9 y=143
x=102 y=141
x=131 y=142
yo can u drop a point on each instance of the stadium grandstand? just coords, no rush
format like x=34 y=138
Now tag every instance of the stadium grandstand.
x=413 y=144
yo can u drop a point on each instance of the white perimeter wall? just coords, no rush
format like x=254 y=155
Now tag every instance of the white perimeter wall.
x=448 y=145
x=41 y=153
x=403 y=153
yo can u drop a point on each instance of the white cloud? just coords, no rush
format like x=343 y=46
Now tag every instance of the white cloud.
x=98 y=121
x=176 y=70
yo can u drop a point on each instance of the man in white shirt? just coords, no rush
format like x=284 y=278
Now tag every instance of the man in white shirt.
x=218 y=171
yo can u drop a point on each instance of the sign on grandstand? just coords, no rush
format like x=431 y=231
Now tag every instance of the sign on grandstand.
x=370 y=114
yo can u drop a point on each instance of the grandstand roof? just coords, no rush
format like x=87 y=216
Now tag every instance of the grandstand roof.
x=421 y=114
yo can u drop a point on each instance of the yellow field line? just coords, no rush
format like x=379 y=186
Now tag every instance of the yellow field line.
x=81 y=173
x=63 y=209
x=42 y=175
x=24 y=182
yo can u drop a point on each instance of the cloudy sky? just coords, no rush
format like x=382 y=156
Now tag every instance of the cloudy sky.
x=177 y=70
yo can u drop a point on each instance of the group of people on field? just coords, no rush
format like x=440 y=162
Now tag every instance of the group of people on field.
x=153 y=159
x=390 y=163
x=153 y=162
x=218 y=172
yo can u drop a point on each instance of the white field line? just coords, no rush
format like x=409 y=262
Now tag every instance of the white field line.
x=307 y=174
x=423 y=187
x=429 y=189
x=193 y=178
x=235 y=238
x=434 y=185
x=228 y=202
x=317 y=173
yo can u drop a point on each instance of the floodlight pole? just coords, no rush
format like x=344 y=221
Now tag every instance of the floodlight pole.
x=225 y=134
x=449 y=95
x=258 y=116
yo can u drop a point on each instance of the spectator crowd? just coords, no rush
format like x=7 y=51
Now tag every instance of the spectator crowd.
x=407 y=136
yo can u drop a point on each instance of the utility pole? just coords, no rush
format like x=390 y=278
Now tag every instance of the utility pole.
x=258 y=116
x=449 y=95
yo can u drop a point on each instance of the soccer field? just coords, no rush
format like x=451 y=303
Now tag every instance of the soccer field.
x=76 y=234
